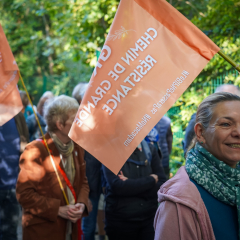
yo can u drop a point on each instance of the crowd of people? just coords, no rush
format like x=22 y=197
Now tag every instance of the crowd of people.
x=202 y=201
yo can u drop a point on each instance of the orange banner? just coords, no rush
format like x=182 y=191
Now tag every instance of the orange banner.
x=10 y=101
x=151 y=55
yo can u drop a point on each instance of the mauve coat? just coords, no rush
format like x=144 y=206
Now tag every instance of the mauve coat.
x=182 y=214
x=39 y=193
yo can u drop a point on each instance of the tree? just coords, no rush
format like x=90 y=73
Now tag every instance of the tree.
x=57 y=40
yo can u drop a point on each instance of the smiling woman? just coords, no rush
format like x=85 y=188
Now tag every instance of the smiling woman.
x=220 y=136
x=204 y=196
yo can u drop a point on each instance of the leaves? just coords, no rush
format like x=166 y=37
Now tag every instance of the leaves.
x=219 y=20
x=57 y=40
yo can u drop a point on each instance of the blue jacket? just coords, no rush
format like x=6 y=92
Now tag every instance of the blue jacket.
x=13 y=139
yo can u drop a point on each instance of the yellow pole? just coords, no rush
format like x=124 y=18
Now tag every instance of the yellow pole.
x=44 y=139
x=228 y=59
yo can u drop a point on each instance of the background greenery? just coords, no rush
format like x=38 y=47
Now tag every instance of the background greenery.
x=55 y=44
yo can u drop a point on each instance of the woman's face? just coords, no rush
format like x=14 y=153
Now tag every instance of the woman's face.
x=222 y=137
x=65 y=128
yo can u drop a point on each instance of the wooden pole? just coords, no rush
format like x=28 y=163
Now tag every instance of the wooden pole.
x=44 y=139
x=228 y=59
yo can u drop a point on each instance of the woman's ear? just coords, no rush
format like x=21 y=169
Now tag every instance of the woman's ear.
x=59 y=125
x=198 y=128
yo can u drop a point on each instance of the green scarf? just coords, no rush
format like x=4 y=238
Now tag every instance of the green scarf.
x=222 y=181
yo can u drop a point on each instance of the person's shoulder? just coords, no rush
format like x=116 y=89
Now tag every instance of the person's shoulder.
x=91 y=160
x=194 y=116
x=192 y=119
x=34 y=150
x=36 y=143
x=87 y=155
x=180 y=189
x=164 y=120
x=29 y=108
x=34 y=163
x=79 y=148
x=30 y=119
x=152 y=147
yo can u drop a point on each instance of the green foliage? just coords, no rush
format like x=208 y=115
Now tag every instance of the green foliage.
x=56 y=39
x=220 y=21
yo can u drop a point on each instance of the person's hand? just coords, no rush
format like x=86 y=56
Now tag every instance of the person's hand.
x=63 y=210
x=76 y=213
x=122 y=177
x=155 y=177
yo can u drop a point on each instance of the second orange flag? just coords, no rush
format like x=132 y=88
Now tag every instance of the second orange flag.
x=10 y=101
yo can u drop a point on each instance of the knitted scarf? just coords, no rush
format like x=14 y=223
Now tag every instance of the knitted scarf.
x=66 y=153
x=220 y=180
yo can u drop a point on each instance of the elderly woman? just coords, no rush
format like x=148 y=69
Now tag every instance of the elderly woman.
x=45 y=213
x=202 y=201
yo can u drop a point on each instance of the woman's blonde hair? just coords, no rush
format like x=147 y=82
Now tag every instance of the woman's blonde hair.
x=58 y=109
x=206 y=108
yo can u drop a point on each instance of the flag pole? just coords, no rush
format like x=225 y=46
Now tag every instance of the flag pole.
x=228 y=59
x=44 y=139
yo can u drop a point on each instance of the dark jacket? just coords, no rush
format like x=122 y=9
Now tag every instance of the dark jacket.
x=93 y=172
x=39 y=193
x=165 y=139
x=136 y=198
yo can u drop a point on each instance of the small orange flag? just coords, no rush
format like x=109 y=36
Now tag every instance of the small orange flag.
x=150 y=57
x=10 y=101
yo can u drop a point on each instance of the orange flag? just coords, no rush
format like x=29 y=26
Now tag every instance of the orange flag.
x=10 y=101
x=151 y=55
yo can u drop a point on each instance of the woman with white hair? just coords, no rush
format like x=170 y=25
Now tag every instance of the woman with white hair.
x=45 y=213
x=202 y=201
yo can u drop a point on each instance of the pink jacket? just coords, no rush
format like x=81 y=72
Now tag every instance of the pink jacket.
x=181 y=213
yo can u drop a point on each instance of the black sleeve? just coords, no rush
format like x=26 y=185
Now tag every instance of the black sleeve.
x=158 y=170
x=93 y=173
x=169 y=139
x=157 y=167
x=130 y=187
